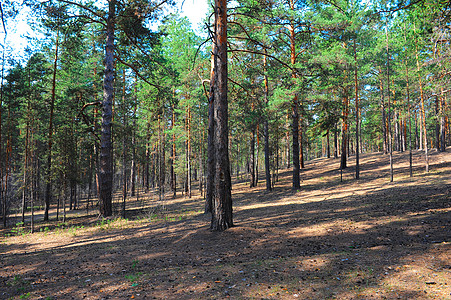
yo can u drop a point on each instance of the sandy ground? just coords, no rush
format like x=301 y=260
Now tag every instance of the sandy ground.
x=355 y=239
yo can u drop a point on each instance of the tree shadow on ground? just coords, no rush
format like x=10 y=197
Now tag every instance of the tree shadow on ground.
x=358 y=241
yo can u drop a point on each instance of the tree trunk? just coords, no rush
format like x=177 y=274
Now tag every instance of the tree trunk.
x=301 y=143
x=161 y=158
x=437 y=122
x=237 y=161
x=201 y=161
x=146 y=173
x=211 y=163
x=442 y=123
x=222 y=198
x=409 y=109
x=3 y=170
x=357 y=122
x=294 y=110
x=390 y=146
x=8 y=151
x=25 y=169
x=266 y=129
x=423 y=112
x=106 y=155
x=124 y=148
x=335 y=142
x=188 y=154
x=48 y=188
x=384 y=117
x=32 y=179
x=64 y=198
x=252 y=159
x=288 y=152
x=133 y=166
x=257 y=154
x=124 y=176
x=344 y=132
x=173 y=155
x=328 y=144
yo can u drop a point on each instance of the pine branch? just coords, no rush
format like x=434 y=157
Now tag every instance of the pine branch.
x=83 y=7
x=264 y=54
x=159 y=87
x=401 y=7
x=3 y=19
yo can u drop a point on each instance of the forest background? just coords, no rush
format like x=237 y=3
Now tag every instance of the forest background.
x=105 y=89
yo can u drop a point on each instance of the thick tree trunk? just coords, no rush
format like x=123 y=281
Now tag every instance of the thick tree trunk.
x=294 y=111
x=222 y=198
x=211 y=134
x=106 y=154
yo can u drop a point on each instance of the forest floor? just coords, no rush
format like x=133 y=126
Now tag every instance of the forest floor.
x=355 y=239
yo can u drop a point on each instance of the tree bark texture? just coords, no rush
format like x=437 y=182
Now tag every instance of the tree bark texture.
x=106 y=154
x=211 y=135
x=222 y=198
x=294 y=113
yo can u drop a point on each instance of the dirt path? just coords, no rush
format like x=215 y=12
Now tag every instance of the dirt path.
x=366 y=239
